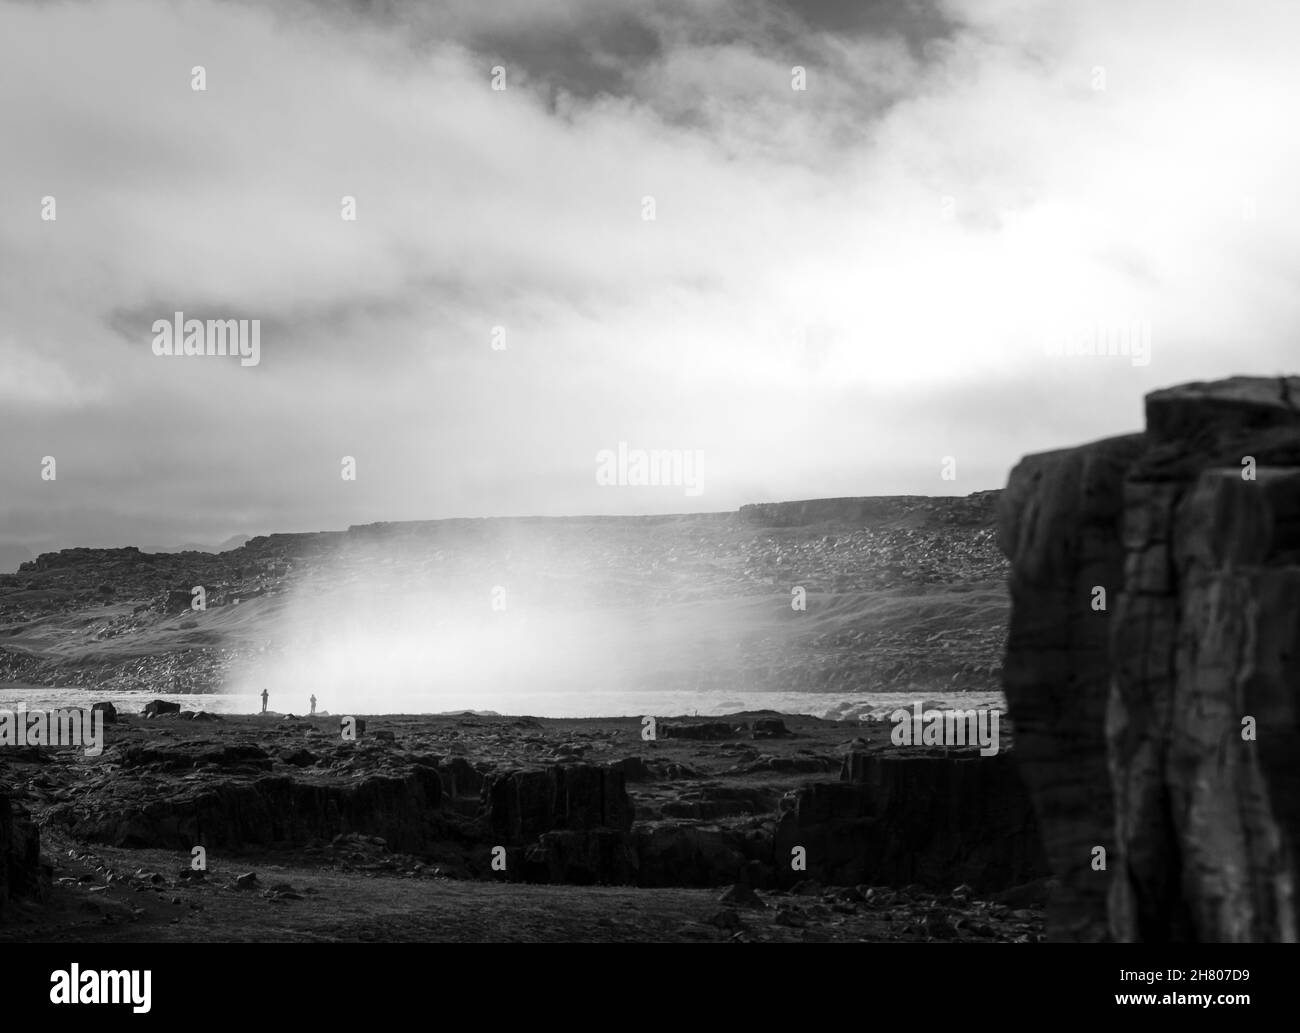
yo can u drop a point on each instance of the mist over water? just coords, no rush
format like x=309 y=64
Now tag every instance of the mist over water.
x=374 y=644
x=514 y=622
x=379 y=649
x=577 y=617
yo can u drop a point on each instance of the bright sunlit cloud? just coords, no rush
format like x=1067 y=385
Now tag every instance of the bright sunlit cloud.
x=840 y=286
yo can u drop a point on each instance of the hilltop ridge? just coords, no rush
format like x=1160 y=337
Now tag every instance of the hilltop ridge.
x=887 y=577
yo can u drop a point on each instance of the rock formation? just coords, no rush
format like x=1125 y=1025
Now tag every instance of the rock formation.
x=521 y=805
x=932 y=818
x=1152 y=674
x=21 y=871
x=158 y=707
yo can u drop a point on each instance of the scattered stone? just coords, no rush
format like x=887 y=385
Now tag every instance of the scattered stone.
x=108 y=710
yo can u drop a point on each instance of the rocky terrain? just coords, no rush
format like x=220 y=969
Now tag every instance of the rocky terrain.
x=699 y=827
x=1153 y=791
x=702 y=823
x=902 y=592
x=1158 y=725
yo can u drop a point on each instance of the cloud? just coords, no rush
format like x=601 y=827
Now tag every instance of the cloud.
x=840 y=285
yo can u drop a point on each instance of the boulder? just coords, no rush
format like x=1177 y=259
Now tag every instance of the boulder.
x=109 y=711
x=770 y=728
x=159 y=707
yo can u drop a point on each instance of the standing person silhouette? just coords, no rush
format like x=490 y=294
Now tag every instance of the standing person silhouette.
x=313 y=702
x=265 y=696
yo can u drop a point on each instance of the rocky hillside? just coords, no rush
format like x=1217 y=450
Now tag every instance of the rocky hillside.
x=1152 y=666
x=900 y=592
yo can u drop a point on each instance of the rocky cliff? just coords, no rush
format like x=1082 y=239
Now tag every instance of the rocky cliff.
x=1152 y=671
x=22 y=874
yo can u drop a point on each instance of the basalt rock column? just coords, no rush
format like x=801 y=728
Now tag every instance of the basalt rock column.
x=1184 y=688
x=1059 y=524
x=1204 y=744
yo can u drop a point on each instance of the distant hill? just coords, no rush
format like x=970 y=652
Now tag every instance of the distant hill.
x=826 y=594
x=976 y=510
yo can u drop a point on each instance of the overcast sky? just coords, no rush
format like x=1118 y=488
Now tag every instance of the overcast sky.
x=841 y=285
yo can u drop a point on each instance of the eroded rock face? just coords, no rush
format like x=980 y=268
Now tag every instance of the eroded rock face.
x=681 y=854
x=21 y=872
x=521 y=805
x=1164 y=727
x=226 y=810
x=902 y=818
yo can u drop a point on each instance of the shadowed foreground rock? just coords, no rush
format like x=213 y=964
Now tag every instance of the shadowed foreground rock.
x=1159 y=720
x=897 y=817
x=21 y=871
x=225 y=795
x=931 y=819
x=521 y=805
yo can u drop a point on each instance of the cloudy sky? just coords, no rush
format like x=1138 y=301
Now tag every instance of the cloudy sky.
x=840 y=286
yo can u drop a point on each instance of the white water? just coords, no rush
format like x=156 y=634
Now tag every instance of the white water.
x=551 y=703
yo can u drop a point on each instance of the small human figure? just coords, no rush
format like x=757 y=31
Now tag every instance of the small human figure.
x=265 y=696
x=313 y=702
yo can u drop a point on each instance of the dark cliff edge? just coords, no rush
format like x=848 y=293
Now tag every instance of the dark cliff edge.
x=1158 y=725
